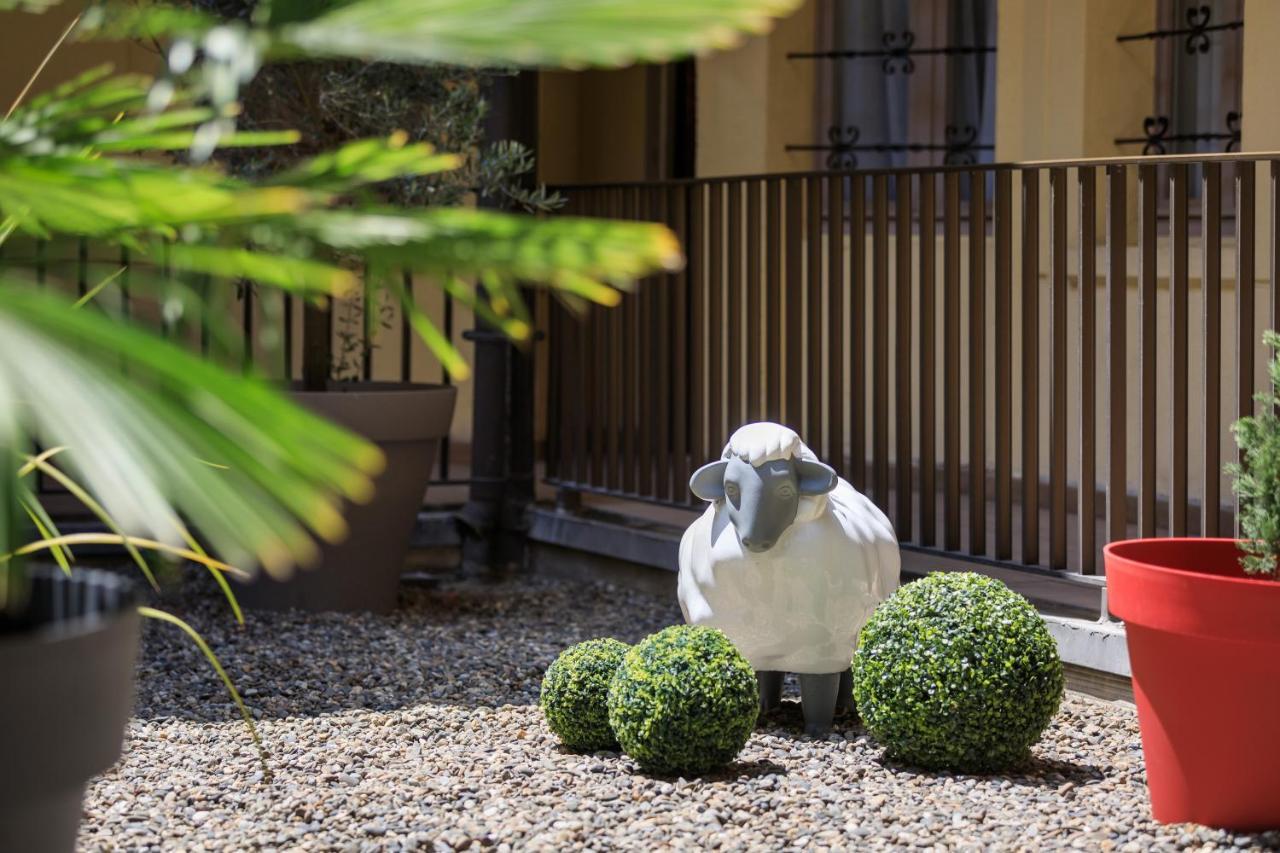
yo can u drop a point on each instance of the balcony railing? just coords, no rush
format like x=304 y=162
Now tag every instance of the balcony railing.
x=1017 y=362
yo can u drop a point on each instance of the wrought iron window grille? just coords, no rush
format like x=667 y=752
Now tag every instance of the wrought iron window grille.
x=842 y=146
x=897 y=52
x=1156 y=136
x=1196 y=32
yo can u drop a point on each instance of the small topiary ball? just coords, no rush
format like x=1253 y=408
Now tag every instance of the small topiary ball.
x=574 y=691
x=957 y=672
x=683 y=701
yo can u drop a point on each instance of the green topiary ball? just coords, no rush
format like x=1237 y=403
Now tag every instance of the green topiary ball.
x=683 y=701
x=957 y=672
x=574 y=691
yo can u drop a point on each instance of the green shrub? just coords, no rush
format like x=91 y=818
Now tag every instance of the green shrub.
x=957 y=671
x=1257 y=477
x=574 y=693
x=684 y=700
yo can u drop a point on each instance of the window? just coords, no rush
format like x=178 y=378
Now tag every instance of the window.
x=905 y=83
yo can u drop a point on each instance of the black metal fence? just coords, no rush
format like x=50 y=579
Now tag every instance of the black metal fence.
x=1008 y=359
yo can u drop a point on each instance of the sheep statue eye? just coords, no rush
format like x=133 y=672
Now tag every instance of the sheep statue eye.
x=786 y=491
x=731 y=489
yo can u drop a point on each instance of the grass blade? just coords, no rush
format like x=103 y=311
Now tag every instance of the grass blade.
x=162 y=616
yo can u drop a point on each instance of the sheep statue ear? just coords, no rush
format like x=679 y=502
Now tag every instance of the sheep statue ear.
x=814 y=478
x=708 y=481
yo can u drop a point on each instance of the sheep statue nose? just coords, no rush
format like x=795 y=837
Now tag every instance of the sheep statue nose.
x=790 y=601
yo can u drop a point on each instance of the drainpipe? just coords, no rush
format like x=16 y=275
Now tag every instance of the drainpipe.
x=502 y=455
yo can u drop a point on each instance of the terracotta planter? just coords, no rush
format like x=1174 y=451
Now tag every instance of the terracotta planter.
x=67 y=664
x=363 y=571
x=1204 y=647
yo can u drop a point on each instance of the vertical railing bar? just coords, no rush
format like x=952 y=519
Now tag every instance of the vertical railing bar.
x=647 y=380
x=616 y=381
x=773 y=299
x=1179 y=242
x=406 y=333
x=977 y=345
x=1003 y=332
x=951 y=358
x=928 y=363
x=857 y=364
x=1117 y=357
x=880 y=340
x=716 y=421
x=1086 y=486
x=751 y=339
x=677 y=199
x=834 y=448
x=1211 y=321
x=660 y=365
x=698 y=448
x=812 y=362
x=630 y=357
x=1245 y=297
x=1274 y=267
x=1031 y=367
x=902 y=450
x=735 y=289
x=1147 y=302
x=793 y=304
x=446 y=444
x=1058 y=412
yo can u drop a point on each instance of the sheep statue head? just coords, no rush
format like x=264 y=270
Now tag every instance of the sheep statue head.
x=761 y=499
x=789 y=561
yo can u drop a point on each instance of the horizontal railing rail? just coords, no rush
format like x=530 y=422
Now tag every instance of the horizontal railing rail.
x=1012 y=360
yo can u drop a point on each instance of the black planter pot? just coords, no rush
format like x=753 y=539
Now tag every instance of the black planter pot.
x=66 y=666
x=407 y=421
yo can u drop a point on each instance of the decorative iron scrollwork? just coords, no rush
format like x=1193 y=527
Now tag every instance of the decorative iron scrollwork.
x=1156 y=136
x=1197 y=31
x=898 y=47
x=1198 y=38
x=844 y=142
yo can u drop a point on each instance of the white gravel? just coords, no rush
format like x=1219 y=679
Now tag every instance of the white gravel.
x=421 y=731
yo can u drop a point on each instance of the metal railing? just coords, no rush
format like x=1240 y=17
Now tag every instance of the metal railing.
x=259 y=330
x=1006 y=358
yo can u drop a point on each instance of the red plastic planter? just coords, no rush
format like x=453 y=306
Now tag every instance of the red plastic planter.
x=1204 y=647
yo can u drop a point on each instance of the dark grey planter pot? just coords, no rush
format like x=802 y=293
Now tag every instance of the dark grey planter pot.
x=363 y=571
x=66 y=665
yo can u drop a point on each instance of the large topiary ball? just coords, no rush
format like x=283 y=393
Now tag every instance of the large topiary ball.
x=683 y=701
x=958 y=672
x=574 y=693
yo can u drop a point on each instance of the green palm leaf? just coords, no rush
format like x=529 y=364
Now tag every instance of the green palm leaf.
x=139 y=438
x=519 y=32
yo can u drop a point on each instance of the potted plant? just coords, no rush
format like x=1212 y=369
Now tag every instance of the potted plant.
x=175 y=452
x=328 y=102
x=1202 y=620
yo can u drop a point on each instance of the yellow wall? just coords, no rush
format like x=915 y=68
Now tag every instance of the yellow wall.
x=26 y=39
x=753 y=101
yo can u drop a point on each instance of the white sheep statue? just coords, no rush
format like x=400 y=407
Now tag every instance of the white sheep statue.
x=789 y=560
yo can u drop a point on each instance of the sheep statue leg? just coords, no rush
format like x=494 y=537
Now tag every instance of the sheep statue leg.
x=770 y=682
x=818 y=701
x=844 y=696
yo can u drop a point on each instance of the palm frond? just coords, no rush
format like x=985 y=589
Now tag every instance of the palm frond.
x=570 y=33
x=138 y=415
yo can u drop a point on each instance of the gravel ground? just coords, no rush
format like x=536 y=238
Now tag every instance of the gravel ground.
x=421 y=731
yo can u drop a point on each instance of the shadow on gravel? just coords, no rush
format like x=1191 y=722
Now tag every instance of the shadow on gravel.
x=1037 y=772
x=732 y=772
x=467 y=645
